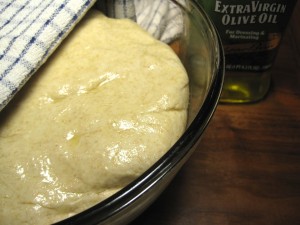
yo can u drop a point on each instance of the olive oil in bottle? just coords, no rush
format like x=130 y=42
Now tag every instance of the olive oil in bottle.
x=251 y=31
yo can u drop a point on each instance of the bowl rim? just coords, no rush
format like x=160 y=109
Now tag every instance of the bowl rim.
x=134 y=190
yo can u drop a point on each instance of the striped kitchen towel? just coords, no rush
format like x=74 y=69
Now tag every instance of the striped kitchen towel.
x=161 y=18
x=31 y=30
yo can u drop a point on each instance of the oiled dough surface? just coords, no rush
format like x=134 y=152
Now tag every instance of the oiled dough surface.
x=107 y=105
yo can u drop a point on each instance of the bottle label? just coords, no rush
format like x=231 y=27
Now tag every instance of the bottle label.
x=251 y=30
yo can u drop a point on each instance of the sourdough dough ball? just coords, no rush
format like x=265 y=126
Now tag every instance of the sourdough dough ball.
x=107 y=105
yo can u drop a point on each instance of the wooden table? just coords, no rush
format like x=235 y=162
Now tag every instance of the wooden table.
x=246 y=170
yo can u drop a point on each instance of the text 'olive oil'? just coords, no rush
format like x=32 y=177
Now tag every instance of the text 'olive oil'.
x=251 y=31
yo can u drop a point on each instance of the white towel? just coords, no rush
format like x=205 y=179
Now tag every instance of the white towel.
x=31 y=30
x=161 y=18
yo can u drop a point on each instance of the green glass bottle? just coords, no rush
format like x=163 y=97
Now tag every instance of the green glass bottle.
x=251 y=31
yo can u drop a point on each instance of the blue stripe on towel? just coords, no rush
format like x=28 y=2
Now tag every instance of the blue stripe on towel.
x=69 y=25
x=5 y=7
x=11 y=79
x=20 y=21
x=10 y=45
x=14 y=15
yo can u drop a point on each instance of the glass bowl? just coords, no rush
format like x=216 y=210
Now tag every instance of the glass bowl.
x=199 y=47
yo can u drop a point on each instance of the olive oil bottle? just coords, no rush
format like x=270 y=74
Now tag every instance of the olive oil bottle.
x=251 y=31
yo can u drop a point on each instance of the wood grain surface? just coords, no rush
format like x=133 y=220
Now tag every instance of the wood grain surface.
x=246 y=169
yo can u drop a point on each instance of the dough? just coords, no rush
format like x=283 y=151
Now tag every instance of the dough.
x=106 y=106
